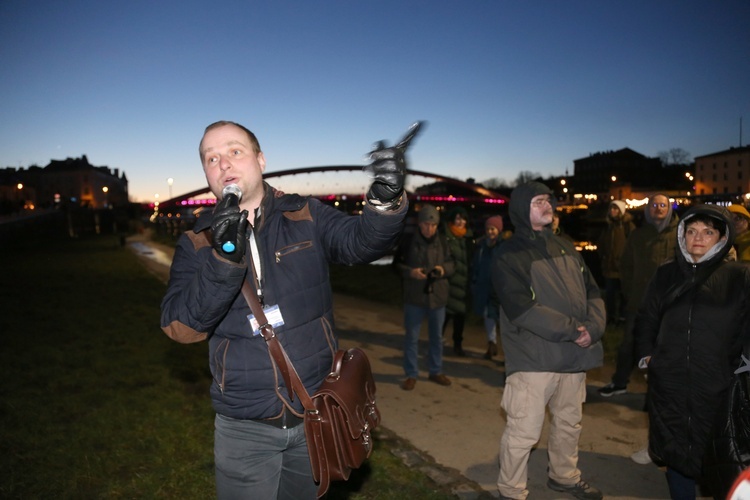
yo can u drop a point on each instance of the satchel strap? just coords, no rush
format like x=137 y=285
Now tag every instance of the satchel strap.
x=291 y=377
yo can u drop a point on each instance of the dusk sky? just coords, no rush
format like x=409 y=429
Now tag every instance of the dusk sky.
x=505 y=86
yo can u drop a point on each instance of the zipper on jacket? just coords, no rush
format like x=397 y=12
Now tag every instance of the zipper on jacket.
x=282 y=252
x=689 y=382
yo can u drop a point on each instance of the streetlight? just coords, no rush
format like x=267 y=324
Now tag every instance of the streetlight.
x=169 y=183
x=105 y=190
x=21 y=202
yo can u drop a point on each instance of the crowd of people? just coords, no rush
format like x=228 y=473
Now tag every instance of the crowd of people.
x=679 y=286
x=539 y=301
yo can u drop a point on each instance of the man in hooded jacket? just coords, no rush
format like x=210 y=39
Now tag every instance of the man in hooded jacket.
x=646 y=249
x=552 y=320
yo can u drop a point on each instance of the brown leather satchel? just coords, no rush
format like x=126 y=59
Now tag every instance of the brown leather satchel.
x=340 y=416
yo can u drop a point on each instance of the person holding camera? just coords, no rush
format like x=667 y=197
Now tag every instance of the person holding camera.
x=425 y=263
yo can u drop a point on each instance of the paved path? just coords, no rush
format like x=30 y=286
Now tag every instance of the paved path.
x=459 y=427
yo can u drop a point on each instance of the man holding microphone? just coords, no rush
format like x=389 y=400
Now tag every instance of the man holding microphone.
x=282 y=245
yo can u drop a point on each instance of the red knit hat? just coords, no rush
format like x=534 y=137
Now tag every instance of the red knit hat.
x=495 y=221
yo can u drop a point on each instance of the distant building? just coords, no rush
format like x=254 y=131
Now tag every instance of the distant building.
x=724 y=173
x=73 y=181
x=598 y=173
x=625 y=174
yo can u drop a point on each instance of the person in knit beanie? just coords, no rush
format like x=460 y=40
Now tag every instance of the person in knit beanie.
x=610 y=247
x=485 y=304
x=495 y=221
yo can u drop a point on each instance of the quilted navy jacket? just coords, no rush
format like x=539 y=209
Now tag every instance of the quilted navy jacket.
x=297 y=237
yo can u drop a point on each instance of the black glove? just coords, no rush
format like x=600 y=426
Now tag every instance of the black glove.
x=388 y=168
x=229 y=228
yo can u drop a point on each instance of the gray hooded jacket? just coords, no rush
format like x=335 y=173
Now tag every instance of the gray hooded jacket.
x=546 y=292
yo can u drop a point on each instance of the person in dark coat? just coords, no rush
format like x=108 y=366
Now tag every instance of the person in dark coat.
x=425 y=264
x=610 y=246
x=460 y=239
x=646 y=248
x=689 y=333
x=485 y=304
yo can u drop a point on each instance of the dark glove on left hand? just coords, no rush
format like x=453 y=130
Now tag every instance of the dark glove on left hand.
x=388 y=168
x=229 y=228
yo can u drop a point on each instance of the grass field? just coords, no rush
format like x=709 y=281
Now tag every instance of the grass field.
x=96 y=402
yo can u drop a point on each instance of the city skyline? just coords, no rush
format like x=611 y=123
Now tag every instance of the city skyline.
x=505 y=87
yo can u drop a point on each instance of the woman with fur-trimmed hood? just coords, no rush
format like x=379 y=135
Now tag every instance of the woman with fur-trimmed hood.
x=689 y=332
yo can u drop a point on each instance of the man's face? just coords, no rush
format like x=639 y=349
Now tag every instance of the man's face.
x=492 y=232
x=229 y=158
x=658 y=207
x=541 y=212
x=428 y=229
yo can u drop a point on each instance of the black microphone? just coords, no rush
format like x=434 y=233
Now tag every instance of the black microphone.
x=233 y=194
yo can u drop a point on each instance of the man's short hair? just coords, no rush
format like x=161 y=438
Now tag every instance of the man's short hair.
x=253 y=140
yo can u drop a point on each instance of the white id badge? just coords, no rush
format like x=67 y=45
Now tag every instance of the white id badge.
x=273 y=315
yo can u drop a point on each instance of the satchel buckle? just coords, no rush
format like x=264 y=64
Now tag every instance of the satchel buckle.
x=314 y=415
x=264 y=328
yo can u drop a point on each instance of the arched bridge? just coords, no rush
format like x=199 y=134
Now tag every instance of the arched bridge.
x=464 y=187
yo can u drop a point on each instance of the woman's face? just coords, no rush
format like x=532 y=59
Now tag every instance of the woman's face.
x=699 y=239
x=740 y=224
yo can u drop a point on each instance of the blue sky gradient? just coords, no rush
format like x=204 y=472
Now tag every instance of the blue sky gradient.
x=505 y=86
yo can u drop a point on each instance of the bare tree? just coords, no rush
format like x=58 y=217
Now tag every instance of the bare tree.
x=675 y=156
x=496 y=183
x=526 y=176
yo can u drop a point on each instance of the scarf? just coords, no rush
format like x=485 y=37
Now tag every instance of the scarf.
x=458 y=232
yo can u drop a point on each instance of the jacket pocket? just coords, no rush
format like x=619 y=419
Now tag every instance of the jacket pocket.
x=220 y=358
x=290 y=249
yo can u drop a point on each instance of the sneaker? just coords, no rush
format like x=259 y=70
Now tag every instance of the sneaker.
x=409 y=384
x=440 y=379
x=641 y=457
x=579 y=490
x=612 y=390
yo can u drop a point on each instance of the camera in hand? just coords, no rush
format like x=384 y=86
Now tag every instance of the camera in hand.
x=432 y=275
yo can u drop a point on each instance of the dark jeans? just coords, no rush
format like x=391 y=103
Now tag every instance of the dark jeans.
x=413 y=318
x=680 y=487
x=625 y=353
x=458 y=319
x=613 y=299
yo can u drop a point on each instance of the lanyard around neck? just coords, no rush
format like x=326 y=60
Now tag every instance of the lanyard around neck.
x=256 y=265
